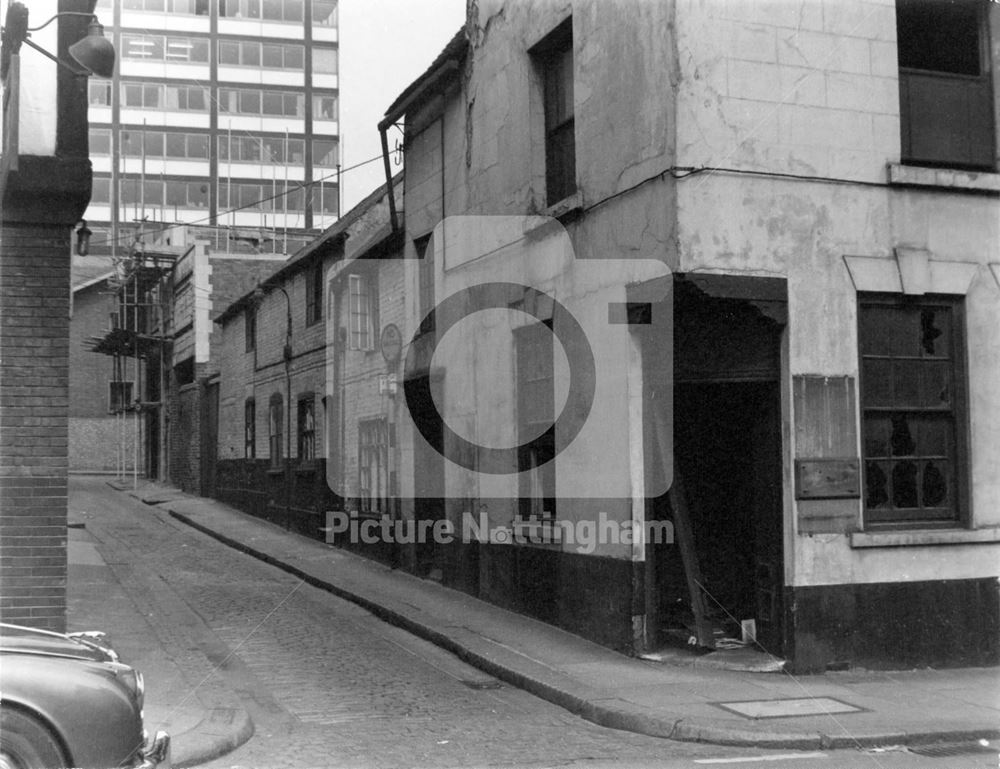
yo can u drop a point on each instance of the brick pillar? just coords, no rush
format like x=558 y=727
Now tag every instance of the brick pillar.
x=42 y=198
x=34 y=403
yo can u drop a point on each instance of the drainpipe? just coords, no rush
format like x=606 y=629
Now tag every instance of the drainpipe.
x=433 y=80
x=287 y=354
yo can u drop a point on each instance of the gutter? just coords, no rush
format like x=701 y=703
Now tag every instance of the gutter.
x=396 y=112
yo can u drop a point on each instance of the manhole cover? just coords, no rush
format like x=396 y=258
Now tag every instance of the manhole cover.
x=488 y=684
x=788 y=708
x=942 y=749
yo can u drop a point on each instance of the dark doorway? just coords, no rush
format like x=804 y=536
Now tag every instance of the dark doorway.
x=210 y=438
x=727 y=454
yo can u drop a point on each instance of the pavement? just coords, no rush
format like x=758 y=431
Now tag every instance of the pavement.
x=681 y=697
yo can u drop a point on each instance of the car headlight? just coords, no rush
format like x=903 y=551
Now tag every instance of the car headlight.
x=132 y=679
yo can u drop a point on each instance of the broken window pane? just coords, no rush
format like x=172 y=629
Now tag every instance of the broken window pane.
x=935 y=486
x=904 y=485
x=902 y=440
x=875 y=481
x=877 y=432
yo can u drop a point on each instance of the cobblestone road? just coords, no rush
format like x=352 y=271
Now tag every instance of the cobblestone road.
x=328 y=684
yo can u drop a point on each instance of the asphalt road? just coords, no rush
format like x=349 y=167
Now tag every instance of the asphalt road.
x=329 y=685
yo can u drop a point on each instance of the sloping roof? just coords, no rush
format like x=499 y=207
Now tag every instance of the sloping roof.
x=302 y=258
x=455 y=49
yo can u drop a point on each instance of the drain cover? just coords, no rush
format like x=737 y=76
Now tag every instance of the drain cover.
x=490 y=683
x=942 y=749
x=786 y=708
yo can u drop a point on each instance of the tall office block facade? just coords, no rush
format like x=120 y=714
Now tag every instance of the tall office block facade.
x=220 y=112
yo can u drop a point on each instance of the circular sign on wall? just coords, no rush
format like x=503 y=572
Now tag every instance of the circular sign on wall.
x=391 y=343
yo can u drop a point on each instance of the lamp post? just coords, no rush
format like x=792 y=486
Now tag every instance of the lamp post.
x=287 y=355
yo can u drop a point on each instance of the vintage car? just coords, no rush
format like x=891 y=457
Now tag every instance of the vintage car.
x=68 y=701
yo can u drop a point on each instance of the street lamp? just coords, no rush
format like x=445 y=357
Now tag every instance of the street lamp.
x=94 y=53
x=259 y=293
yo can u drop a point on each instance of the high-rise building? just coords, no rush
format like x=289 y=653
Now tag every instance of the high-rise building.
x=220 y=112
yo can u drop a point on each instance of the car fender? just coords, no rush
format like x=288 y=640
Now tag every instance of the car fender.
x=85 y=706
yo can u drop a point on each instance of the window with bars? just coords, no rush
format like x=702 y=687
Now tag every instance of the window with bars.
x=307 y=428
x=913 y=410
x=554 y=59
x=535 y=421
x=275 y=430
x=373 y=465
x=361 y=311
x=250 y=428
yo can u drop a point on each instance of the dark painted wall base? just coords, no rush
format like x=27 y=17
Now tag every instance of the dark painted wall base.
x=588 y=595
x=899 y=625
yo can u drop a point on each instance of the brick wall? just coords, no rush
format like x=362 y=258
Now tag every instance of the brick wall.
x=185 y=431
x=34 y=386
x=95 y=443
x=95 y=436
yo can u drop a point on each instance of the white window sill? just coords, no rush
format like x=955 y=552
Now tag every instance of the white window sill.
x=917 y=176
x=923 y=537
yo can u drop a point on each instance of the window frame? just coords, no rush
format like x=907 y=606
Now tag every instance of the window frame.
x=314 y=293
x=534 y=363
x=275 y=431
x=250 y=429
x=250 y=330
x=121 y=395
x=927 y=138
x=559 y=130
x=362 y=311
x=305 y=420
x=955 y=419
x=425 y=283
x=373 y=442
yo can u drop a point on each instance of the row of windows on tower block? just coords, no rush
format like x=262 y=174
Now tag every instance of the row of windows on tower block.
x=269 y=197
x=181 y=145
x=324 y=12
x=198 y=98
x=231 y=53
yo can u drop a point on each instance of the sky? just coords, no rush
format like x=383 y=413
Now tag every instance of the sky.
x=384 y=46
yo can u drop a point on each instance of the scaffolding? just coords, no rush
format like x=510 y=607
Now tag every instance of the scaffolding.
x=137 y=339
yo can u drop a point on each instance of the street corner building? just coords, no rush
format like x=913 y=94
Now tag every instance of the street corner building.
x=725 y=266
